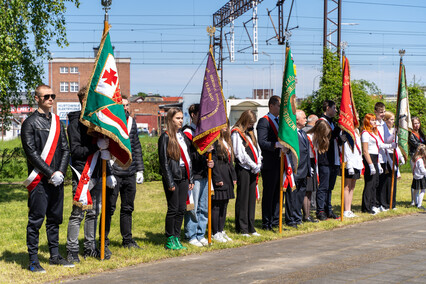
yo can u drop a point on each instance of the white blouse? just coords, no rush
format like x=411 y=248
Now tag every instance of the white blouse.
x=418 y=167
x=240 y=151
x=354 y=159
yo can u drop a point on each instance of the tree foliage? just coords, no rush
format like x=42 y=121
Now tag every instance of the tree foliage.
x=365 y=93
x=27 y=28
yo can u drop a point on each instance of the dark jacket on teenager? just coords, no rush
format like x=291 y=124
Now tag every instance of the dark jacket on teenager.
x=169 y=168
x=199 y=162
x=223 y=170
x=328 y=158
x=414 y=142
x=34 y=133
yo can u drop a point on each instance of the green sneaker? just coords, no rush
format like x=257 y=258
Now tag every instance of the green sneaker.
x=170 y=244
x=178 y=244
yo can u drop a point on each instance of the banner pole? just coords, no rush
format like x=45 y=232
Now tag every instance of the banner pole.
x=343 y=184
x=209 y=180
x=393 y=179
x=281 y=191
x=103 y=209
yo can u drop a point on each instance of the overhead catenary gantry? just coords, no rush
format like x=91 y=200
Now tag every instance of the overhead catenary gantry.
x=333 y=16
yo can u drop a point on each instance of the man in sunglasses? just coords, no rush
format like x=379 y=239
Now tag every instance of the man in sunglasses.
x=46 y=147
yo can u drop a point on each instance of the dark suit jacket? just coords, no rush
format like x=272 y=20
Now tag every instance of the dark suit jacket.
x=327 y=158
x=267 y=138
x=303 y=170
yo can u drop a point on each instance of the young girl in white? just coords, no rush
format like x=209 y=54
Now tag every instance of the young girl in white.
x=419 y=175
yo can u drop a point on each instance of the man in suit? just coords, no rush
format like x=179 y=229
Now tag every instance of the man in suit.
x=328 y=164
x=267 y=134
x=294 y=198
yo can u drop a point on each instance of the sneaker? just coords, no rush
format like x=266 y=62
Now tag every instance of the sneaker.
x=347 y=214
x=412 y=203
x=375 y=209
x=35 y=267
x=72 y=257
x=94 y=253
x=383 y=209
x=170 y=244
x=219 y=237
x=204 y=241
x=178 y=244
x=59 y=260
x=131 y=244
x=246 y=235
x=333 y=216
x=321 y=216
x=226 y=237
x=195 y=242
x=256 y=234
x=421 y=208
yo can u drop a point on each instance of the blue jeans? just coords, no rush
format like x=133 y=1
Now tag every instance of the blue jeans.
x=196 y=219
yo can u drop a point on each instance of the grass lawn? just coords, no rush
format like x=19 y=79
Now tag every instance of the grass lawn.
x=148 y=231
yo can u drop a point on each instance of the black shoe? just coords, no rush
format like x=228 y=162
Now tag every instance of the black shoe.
x=108 y=253
x=35 y=267
x=321 y=216
x=59 y=260
x=131 y=244
x=292 y=225
x=421 y=208
x=310 y=220
x=92 y=253
x=72 y=257
x=333 y=216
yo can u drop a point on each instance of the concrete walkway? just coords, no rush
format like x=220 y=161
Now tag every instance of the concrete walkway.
x=385 y=251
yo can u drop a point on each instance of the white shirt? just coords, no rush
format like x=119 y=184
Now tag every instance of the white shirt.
x=240 y=151
x=372 y=140
x=418 y=167
x=384 y=133
x=354 y=159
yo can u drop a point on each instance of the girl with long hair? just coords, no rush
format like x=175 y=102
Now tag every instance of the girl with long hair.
x=371 y=143
x=416 y=138
x=319 y=139
x=224 y=177
x=248 y=160
x=176 y=171
x=419 y=175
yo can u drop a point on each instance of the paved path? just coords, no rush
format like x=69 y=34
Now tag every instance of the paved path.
x=385 y=251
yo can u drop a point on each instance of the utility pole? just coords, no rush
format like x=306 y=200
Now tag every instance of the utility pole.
x=332 y=15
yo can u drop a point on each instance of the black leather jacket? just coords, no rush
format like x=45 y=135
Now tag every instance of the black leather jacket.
x=81 y=144
x=414 y=142
x=169 y=168
x=34 y=133
x=137 y=159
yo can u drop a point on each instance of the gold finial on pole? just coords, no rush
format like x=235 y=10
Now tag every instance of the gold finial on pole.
x=401 y=52
x=211 y=30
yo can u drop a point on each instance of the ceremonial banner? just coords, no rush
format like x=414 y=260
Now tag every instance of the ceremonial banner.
x=212 y=116
x=348 y=120
x=102 y=110
x=287 y=132
x=403 y=118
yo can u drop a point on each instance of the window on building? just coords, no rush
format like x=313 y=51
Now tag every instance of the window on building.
x=63 y=70
x=74 y=70
x=64 y=86
x=74 y=87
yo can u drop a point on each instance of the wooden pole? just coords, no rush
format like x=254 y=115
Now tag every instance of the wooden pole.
x=393 y=179
x=343 y=183
x=281 y=191
x=103 y=209
x=209 y=180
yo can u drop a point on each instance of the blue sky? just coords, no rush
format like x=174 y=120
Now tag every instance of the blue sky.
x=167 y=43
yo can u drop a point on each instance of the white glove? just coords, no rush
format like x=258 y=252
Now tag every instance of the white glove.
x=111 y=182
x=57 y=178
x=351 y=171
x=312 y=172
x=256 y=169
x=401 y=160
x=372 y=169
x=139 y=177
x=343 y=137
x=394 y=145
x=105 y=155
x=380 y=168
x=278 y=145
x=103 y=143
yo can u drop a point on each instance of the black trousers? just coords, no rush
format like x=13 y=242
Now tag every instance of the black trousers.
x=245 y=204
x=385 y=193
x=45 y=200
x=294 y=203
x=219 y=208
x=327 y=176
x=382 y=187
x=126 y=187
x=370 y=186
x=271 y=197
x=176 y=206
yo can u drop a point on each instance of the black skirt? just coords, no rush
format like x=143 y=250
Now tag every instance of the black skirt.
x=419 y=184
x=356 y=175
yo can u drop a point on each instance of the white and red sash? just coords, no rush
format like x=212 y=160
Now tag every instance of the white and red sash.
x=314 y=152
x=187 y=161
x=82 y=197
x=188 y=133
x=377 y=142
x=47 y=154
x=129 y=124
x=254 y=157
x=273 y=124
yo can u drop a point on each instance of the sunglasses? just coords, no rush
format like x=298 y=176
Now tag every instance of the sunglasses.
x=48 y=96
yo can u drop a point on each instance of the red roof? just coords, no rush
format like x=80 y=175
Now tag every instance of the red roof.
x=171 y=99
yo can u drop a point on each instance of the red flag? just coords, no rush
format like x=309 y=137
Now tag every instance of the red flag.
x=348 y=120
